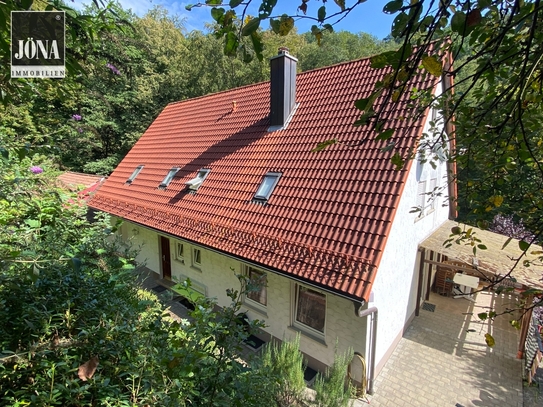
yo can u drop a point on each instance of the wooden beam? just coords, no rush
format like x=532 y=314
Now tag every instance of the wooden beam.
x=524 y=326
x=429 y=282
x=419 y=285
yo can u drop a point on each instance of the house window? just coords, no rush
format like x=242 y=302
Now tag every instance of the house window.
x=421 y=197
x=166 y=181
x=195 y=183
x=310 y=311
x=180 y=252
x=196 y=258
x=433 y=197
x=257 y=293
x=267 y=186
x=134 y=174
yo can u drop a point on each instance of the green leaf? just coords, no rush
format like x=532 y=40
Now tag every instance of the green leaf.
x=189 y=7
x=33 y=223
x=534 y=291
x=341 y=4
x=214 y=2
x=284 y=25
x=503 y=289
x=250 y=27
x=26 y=4
x=364 y=119
x=230 y=44
x=328 y=27
x=481 y=246
x=383 y=60
x=398 y=161
x=385 y=135
x=399 y=24
x=482 y=316
x=258 y=46
x=393 y=6
x=506 y=243
x=523 y=245
x=217 y=13
x=321 y=14
x=235 y=3
x=458 y=22
x=432 y=64
x=323 y=145
x=266 y=8
x=362 y=103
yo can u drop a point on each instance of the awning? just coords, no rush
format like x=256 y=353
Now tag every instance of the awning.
x=495 y=259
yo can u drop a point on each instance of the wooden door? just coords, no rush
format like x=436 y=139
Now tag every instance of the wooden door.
x=165 y=261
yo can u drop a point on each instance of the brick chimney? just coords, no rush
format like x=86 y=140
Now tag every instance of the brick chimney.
x=282 y=88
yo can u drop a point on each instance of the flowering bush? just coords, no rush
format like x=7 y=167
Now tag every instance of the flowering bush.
x=113 y=69
x=36 y=169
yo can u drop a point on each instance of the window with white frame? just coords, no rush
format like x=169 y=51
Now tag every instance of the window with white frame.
x=433 y=196
x=196 y=258
x=421 y=197
x=257 y=292
x=309 y=311
x=180 y=252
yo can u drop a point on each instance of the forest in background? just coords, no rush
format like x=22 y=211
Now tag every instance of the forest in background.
x=133 y=73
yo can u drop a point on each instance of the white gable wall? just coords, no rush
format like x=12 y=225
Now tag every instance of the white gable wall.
x=395 y=287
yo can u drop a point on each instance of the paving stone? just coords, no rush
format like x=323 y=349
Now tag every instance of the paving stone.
x=438 y=363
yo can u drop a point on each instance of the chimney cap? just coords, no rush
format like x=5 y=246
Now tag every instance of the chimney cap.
x=283 y=50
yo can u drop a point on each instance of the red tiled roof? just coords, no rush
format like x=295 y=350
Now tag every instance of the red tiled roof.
x=328 y=217
x=75 y=180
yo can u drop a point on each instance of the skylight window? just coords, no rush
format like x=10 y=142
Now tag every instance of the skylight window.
x=166 y=181
x=267 y=186
x=134 y=174
x=195 y=183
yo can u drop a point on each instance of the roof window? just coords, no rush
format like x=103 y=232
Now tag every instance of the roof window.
x=267 y=186
x=195 y=183
x=134 y=174
x=166 y=181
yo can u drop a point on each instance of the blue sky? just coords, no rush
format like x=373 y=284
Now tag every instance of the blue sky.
x=367 y=17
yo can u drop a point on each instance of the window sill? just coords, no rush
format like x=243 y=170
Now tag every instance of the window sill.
x=195 y=268
x=255 y=308
x=310 y=335
x=420 y=217
x=181 y=261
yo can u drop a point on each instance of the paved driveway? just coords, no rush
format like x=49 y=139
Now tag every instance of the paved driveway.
x=443 y=359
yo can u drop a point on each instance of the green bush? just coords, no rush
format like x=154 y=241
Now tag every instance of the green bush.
x=333 y=389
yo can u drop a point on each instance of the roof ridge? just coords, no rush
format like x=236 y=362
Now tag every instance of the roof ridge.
x=263 y=82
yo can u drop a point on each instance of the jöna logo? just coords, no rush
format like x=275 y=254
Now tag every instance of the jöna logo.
x=37 y=44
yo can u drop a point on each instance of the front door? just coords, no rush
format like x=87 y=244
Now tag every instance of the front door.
x=166 y=262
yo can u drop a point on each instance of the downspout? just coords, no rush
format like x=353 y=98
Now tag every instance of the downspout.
x=373 y=343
